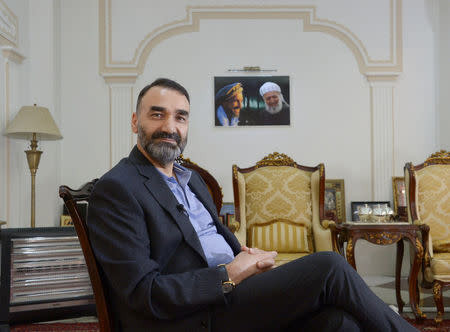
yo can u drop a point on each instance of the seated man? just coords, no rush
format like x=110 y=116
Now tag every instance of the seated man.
x=170 y=265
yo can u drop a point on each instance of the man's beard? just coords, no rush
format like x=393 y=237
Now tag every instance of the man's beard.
x=164 y=153
x=275 y=109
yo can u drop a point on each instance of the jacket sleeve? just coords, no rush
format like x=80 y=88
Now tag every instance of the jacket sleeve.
x=120 y=239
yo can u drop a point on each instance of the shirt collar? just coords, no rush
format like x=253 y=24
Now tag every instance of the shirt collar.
x=182 y=173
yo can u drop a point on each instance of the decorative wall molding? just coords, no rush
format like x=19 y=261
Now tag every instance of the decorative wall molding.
x=12 y=54
x=121 y=108
x=8 y=26
x=382 y=138
x=307 y=14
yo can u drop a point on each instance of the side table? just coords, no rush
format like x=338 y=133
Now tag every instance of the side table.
x=384 y=234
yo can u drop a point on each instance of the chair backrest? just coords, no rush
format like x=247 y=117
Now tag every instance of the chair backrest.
x=213 y=186
x=428 y=196
x=70 y=197
x=279 y=200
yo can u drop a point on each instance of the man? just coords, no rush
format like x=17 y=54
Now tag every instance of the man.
x=170 y=265
x=276 y=109
x=228 y=102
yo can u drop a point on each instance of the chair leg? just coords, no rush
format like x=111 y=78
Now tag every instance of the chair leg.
x=437 y=293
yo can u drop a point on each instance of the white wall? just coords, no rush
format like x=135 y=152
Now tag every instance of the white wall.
x=444 y=75
x=330 y=95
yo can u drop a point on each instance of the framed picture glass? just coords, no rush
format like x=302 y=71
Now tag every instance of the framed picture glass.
x=335 y=200
x=371 y=204
x=399 y=197
x=251 y=101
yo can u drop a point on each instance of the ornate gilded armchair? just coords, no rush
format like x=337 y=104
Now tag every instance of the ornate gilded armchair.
x=279 y=205
x=428 y=199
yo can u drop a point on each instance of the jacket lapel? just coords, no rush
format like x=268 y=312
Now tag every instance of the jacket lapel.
x=162 y=194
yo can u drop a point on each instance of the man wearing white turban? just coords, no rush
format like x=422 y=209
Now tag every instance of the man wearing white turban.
x=277 y=111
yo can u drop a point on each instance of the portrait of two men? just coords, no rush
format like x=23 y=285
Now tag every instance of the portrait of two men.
x=251 y=101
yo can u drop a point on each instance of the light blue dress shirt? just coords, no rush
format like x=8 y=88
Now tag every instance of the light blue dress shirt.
x=216 y=249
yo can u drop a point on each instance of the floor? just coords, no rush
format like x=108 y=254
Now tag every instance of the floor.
x=384 y=287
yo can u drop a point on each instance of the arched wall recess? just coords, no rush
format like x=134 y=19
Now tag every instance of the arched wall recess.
x=307 y=14
x=380 y=73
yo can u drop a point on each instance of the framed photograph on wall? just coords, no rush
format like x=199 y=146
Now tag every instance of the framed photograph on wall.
x=335 y=199
x=251 y=101
x=371 y=204
x=399 y=197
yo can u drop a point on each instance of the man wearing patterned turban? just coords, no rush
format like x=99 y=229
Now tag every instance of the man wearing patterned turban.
x=228 y=105
x=277 y=110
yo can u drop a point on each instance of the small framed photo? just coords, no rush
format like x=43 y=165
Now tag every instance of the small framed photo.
x=371 y=204
x=226 y=212
x=227 y=207
x=335 y=200
x=399 y=195
x=66 y=221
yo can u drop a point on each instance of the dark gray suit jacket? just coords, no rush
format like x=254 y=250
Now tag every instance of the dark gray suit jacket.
x=157 y=275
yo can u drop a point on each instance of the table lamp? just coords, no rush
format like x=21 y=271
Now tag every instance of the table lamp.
x=32 y=122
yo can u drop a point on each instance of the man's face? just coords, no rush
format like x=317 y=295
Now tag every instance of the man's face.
x=273 y=102
x=272 y=98
x=162 y=124
x=234 y=104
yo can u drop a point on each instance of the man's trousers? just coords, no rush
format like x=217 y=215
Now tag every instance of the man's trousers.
x=319 y=292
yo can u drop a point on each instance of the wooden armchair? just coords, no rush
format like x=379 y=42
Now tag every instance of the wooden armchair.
x=70 y=197
x=428 y=199
x=279 y=205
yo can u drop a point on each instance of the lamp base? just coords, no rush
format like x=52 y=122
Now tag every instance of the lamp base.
x=33 y=158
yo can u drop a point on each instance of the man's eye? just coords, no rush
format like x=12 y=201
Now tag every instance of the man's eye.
x=156 y=115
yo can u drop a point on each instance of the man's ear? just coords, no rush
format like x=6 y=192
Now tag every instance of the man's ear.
x=134 y=125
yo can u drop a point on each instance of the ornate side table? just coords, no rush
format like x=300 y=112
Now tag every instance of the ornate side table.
x=384 y=234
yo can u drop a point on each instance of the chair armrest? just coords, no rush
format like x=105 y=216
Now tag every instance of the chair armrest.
x=427 y=254
x=326 y=223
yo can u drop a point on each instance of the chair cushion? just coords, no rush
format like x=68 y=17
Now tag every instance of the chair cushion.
x=440 y=266
x=282 y=236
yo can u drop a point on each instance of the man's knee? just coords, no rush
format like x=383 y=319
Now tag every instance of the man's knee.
x=329 y=260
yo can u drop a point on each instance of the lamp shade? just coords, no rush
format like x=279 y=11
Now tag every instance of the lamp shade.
x=33 y=119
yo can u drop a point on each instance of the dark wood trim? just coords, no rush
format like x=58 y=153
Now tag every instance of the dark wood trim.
x=70 y=197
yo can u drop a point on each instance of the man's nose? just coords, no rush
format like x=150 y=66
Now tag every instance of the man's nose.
x=169 y=125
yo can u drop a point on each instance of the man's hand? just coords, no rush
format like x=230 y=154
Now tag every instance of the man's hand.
x=262 y=265
x=248 y=262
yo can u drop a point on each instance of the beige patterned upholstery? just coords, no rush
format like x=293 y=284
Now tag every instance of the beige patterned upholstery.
x=428 y=193
x=279 y=205
x=433 y=198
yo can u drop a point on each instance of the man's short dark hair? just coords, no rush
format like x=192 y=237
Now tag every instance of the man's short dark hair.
x=165 y=83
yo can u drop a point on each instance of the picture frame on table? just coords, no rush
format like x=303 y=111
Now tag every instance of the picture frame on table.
x=399 y=197
x=226 y=212
x=354 y=207
x=335 y=200
x=66 y=221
